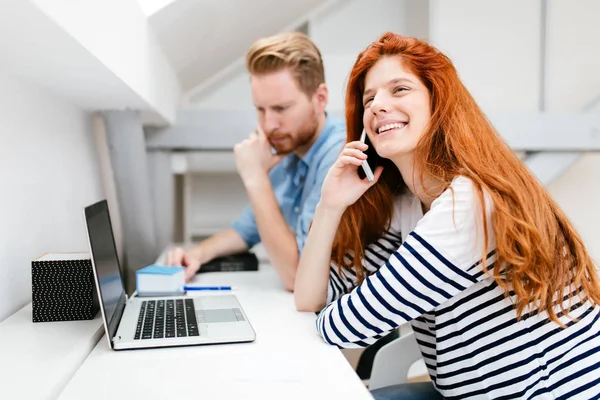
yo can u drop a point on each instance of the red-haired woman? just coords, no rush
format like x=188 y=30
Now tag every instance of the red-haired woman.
x=500 y=291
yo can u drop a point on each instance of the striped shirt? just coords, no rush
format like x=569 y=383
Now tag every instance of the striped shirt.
x=466 y=327
x=342 y=280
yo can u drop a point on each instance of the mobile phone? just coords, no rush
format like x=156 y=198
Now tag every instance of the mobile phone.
x=368 y=165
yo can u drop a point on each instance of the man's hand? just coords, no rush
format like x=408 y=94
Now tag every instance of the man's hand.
x=253 y=157
x=191 y=260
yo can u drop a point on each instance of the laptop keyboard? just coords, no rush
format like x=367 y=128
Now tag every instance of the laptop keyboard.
x=167 y=319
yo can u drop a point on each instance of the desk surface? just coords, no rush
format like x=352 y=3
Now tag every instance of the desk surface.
x=288 y=360
x=38 y=359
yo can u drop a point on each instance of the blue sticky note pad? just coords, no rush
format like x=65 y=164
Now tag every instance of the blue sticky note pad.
x=156 y=280
x=160 y=269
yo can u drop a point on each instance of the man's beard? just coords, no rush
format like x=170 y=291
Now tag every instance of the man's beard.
x=292 y=142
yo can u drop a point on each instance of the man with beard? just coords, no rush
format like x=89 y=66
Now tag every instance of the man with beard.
x=283 y=162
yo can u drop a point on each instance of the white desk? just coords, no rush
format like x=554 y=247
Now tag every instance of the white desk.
x=37 y=360
x=288 y=360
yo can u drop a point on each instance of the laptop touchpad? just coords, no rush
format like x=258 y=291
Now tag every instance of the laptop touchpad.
x=219 y=315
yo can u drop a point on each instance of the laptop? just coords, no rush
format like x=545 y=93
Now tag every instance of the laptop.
x=146 y=322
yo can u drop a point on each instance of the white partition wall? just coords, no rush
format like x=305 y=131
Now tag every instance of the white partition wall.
x=49 y=173
x=495 y=46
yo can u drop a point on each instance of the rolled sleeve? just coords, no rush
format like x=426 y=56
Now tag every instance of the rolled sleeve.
x=246 y=227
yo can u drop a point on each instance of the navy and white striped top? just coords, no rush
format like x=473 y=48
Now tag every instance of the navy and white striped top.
x=466 y=327
x=342 y=280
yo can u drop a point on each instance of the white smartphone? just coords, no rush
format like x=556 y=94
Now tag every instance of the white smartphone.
x=365 y=165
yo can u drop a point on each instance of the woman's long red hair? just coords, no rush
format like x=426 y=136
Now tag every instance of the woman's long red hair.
x=538 y=249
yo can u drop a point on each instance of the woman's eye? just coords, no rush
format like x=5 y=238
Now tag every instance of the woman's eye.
x=367 y=101
x=399 y=89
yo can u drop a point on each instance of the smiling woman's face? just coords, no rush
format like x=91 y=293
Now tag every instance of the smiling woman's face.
x=397 y=108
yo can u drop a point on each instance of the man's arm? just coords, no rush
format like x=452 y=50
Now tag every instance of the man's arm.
x=254 y=160
x=275 y=235
x=222 y=244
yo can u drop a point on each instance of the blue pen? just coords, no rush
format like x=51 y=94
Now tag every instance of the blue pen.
x=208 y=288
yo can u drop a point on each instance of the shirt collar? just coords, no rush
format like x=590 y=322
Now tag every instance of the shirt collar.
x=293 y=160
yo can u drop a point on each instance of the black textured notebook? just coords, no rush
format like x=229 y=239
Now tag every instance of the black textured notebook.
x=63 y=288
x=246 y=261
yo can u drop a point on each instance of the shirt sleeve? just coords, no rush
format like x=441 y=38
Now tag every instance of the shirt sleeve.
x=339 y=283
x=308 y=210
x=245 y=225
x=438 y=260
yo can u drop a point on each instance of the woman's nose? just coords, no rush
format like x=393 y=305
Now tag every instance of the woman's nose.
x=378 y=105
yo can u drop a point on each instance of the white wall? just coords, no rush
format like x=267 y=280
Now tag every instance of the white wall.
x=151 y=6
x=573 y=68
x=218 y=200
x=49 y=173
x=340 y=33
x=117 y=33
x=232 y=94
x=495 y=46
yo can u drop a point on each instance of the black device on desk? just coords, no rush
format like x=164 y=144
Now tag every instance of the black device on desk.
x=245 y=261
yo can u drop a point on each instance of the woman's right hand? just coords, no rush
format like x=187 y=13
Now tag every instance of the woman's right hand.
x=342 y=185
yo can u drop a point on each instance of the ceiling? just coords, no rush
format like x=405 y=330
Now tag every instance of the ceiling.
x=202 y=37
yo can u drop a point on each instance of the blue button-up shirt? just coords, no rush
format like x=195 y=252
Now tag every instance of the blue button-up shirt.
x=297 y=184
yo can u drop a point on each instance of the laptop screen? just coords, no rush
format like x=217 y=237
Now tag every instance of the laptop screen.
x=106 y=265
